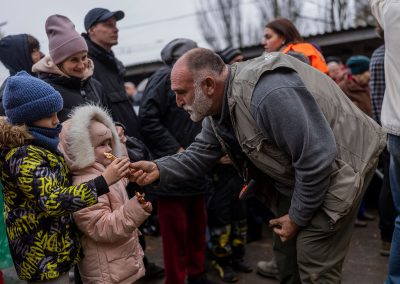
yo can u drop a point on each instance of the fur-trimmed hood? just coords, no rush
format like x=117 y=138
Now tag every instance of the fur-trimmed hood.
x=12 y=136
x=75 y=141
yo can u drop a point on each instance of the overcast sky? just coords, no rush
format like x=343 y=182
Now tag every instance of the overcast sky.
x=143 y=31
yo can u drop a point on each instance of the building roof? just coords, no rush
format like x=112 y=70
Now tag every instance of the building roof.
x=360 y=40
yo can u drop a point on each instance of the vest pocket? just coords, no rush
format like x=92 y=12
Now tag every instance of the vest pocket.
x=343 y=190
x=266 y=156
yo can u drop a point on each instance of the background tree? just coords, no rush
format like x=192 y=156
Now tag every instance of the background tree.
x=223 y=23
x=220 y=22
x=363 y=14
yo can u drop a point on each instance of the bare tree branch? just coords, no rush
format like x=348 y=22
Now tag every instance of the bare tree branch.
x=223 y=23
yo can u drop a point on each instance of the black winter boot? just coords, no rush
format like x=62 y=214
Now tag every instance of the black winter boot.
x=225 y=271
x=199 y=279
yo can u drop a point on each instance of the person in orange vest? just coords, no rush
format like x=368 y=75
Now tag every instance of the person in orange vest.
x=281 y=35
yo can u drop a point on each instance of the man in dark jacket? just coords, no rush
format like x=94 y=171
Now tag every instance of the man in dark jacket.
x=181 y=206
x=101 y=36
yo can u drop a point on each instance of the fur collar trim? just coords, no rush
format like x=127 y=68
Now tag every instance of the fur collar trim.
x=12 y=136
x=47 y=65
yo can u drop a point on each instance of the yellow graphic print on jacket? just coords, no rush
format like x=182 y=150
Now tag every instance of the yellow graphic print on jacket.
x=39 y=200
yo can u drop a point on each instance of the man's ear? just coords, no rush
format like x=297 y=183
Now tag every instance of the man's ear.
x=90 y=30
x=209 y=86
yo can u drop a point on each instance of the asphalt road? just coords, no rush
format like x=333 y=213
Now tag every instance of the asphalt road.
x=363 y=264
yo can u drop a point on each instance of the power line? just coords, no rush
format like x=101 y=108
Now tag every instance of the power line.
x=177 y=17
x=158 y=21
x=313 y=19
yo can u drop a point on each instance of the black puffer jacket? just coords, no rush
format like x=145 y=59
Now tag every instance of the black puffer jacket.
x=75 y=92
x=109 y=71
x=166 y=128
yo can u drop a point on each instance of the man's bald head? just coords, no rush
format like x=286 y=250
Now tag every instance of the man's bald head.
x=200 y=60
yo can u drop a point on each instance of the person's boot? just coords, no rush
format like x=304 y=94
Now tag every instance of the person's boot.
x=268 y=268
x=152 y=270
x=360 y=223
x=238 y=250
x=221 y=251
x=199 y=279
x=225 y=271
x=240 y=265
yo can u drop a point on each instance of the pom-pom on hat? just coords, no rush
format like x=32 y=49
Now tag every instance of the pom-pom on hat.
x=358 y=64
x=64 y=40
x=27 y=99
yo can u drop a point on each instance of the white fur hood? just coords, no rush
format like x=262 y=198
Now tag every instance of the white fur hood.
x=75 y=141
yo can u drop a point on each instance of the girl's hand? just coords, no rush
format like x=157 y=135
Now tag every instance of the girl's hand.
x=147 y=207
x=118 y=169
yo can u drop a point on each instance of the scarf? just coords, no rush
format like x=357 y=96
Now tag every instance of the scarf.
x=46 y=137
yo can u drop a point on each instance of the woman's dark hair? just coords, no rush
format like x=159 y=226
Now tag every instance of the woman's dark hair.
x=33 y=44
x=285 y=29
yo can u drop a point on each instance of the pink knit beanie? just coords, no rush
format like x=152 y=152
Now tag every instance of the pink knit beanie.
x=64 y=40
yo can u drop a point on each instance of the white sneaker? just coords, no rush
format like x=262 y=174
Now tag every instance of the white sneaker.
x=268 y=269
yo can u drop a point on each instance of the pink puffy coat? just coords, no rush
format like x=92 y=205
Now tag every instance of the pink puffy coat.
x=112 y=253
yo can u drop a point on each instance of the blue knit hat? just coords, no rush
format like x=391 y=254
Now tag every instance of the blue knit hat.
x=27 y=99
x=358 y=64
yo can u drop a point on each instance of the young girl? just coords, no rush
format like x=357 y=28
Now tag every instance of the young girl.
x=112 y=253
x=38 y=194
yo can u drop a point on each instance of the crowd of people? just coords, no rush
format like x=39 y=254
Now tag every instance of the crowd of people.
x=198 y=151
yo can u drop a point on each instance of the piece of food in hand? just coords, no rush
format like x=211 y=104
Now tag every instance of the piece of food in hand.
x=140 y=197
x=109 y=156
x=112 y=158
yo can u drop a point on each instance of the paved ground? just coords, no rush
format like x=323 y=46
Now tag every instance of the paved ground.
x=363 y=264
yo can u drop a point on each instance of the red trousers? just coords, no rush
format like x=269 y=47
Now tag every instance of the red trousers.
x=182 y=225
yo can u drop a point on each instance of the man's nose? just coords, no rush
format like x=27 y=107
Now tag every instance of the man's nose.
x=179 y=101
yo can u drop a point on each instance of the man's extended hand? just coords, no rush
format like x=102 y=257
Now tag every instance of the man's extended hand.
x=285 y=228
x=145 y=173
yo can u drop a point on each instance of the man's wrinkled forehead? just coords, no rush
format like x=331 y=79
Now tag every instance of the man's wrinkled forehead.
x=180 y=75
